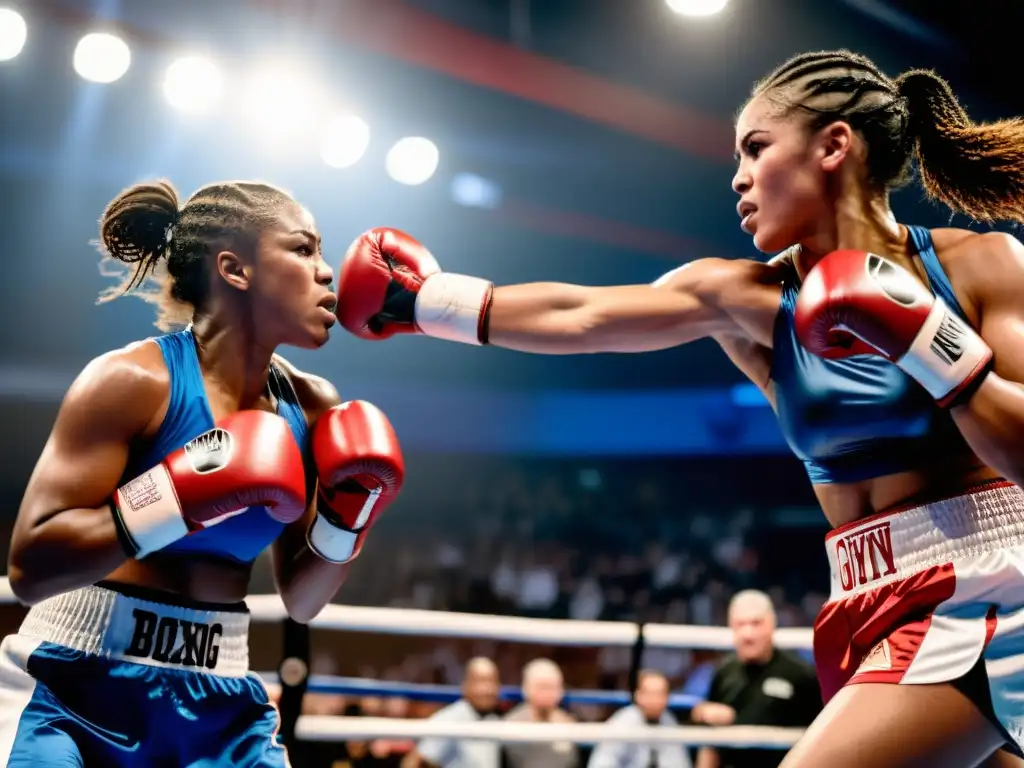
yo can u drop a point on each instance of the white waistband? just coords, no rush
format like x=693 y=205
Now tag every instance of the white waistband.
x=103 y=622
x=891 y=546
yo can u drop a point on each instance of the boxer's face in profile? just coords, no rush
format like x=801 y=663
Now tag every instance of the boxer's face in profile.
x=780 y=177
x=291 y=289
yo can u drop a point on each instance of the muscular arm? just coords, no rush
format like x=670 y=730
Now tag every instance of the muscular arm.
x=687 y=304
x=65 y=537
x=992 y=421
x=305 y=581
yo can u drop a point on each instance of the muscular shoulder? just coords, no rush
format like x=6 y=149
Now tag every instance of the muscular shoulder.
x=315 y=393
x=984 y=268
x=732 y=285
x=130 y=386
x=713 y=274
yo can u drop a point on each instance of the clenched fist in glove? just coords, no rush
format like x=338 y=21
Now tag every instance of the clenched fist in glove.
x=249 y=459
x=854 y=302
x=360 y=469
x=389 y=283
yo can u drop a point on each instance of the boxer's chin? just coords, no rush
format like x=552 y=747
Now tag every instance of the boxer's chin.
x=770 y=240
x=313 y=336
x=320 y=337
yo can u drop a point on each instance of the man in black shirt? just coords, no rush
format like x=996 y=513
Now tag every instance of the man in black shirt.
x=759 y=684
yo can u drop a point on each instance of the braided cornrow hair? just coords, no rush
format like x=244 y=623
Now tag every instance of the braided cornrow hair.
x=168 y=249
x=974 y=169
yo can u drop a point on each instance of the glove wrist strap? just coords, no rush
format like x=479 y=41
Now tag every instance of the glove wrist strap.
x=946 y=355
x=131 y=549
x=966 y=392
x=331 y=542
x=148 y=510
x=454 y=307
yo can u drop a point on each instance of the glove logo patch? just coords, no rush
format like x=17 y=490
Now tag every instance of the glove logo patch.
x=892 y=280
x=947 y=344
x=141 y=492
x=210 y=451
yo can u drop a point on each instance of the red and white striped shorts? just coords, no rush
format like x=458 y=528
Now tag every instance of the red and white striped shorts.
x=928 y=594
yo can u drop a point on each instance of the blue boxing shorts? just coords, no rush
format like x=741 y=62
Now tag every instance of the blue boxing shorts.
x=98 y=677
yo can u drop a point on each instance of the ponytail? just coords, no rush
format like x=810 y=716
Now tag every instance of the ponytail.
x=974 y=169
x=135 y=228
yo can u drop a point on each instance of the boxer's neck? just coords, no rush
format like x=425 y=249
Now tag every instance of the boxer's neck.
x=232 y=358
x=861 y=223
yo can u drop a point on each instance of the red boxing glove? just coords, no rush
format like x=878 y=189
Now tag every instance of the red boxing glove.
x=389 y=283
x=854 y=302
x=360 y=468
x=249 y=459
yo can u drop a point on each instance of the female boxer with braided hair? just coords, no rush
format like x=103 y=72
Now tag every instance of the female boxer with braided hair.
x=894 y=358
x=172 y=464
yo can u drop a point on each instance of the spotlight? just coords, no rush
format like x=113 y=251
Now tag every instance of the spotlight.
x=13 y=33
x=412 y=160
x=344 y=141
x=475 y=191
x=697 y=7
x=193 y=84
x=279 y=103
x=102 y=58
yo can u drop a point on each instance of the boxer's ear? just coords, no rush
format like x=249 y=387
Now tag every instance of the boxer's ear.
x=835 y=143
x=233 y=270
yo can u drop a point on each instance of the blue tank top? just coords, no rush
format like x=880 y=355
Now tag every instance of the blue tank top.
x=242 y=537
x=862 y=417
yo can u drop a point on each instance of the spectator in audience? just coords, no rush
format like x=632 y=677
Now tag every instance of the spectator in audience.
x=389 y=753
x=542 y=691
x=758 y=684
x=649 y=708
x=480 y=688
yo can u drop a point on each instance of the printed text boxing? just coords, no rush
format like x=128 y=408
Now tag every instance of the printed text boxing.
x=156 y=637
x=864 y=556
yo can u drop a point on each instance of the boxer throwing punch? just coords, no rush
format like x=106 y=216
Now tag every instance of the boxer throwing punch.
x=893 y=357
x=172 y=464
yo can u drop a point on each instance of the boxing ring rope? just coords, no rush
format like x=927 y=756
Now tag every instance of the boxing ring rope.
x=572 y=632
x=559 y=632
x=361 y=686
x=325 y=728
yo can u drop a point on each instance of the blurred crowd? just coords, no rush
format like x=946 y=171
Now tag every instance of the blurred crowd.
x=756 y=684
x=635 y=541
x=617 y=541
x=561 y=543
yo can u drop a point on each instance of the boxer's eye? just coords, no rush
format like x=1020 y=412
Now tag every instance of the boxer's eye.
x=304 y=250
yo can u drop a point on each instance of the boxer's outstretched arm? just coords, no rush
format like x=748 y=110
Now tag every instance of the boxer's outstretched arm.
x=687 y=304
x=65 y=536
x=389 y=283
